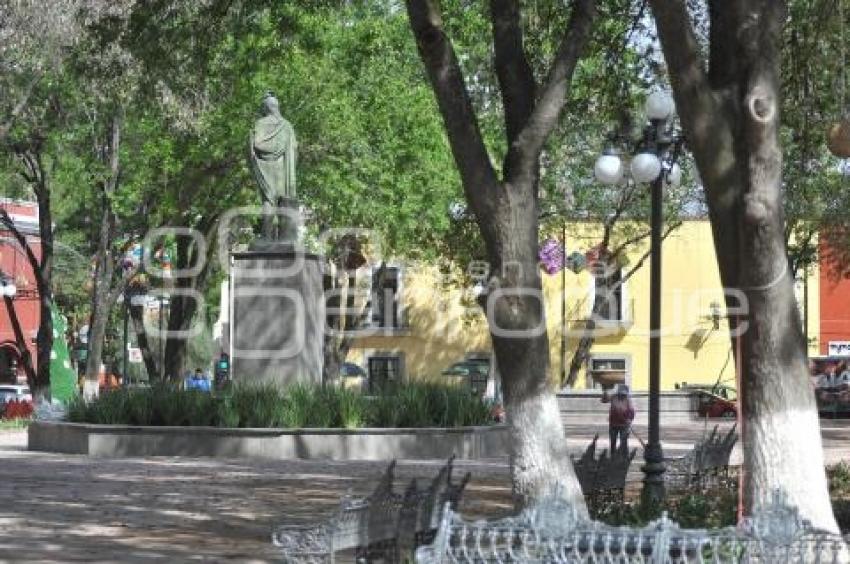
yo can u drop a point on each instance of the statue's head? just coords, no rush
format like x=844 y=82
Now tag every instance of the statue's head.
x=270 y=105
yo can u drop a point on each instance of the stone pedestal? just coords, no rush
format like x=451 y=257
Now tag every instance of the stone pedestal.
x=277 y=316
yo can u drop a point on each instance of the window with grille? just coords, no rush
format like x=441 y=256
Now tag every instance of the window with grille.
x=383 y=371
x=386 y=289
x=608 y=287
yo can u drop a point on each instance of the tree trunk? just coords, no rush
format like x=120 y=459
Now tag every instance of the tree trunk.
x=100 y=308
x=730 y=116
x=102 y=296
x=506 y=210
x=181 y=315
x=44 y=282
x=585 y=344
x=21 y=341
x=136 y=314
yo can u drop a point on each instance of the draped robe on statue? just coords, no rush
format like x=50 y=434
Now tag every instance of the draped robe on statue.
x=272 y=158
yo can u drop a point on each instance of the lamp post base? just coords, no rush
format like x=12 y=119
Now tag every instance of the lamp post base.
x=652 y=496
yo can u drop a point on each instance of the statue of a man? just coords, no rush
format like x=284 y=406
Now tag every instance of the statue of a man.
x=272 y=153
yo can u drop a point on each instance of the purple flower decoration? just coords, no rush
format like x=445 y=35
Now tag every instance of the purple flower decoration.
x=551 y=255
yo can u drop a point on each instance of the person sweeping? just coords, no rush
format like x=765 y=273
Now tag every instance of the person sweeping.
x=620 y=417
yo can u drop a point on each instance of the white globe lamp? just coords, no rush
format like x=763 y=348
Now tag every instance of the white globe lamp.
x=659 y=106
x=645 y=167
x=673 y=178
x=479 y=289
x=608 y=169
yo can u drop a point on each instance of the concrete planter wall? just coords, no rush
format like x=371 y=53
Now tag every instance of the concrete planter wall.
x=334 y=444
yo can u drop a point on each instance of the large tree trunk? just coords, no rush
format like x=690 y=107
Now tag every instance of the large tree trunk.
x=100 y=307
x=507 y=216
x=184 y=307
x=539 y=456
x=731 y=119
x=44 y=282
x=181 y=315
x=103 y=297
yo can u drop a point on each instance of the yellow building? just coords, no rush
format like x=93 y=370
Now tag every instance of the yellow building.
x=429 y=323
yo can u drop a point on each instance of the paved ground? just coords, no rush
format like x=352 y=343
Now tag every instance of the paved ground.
x=60 y=508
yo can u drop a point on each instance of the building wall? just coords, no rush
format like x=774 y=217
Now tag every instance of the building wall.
x=13 y=263
x=834 y=302
x=444 y=324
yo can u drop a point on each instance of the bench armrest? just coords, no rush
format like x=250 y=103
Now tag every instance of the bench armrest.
x=303 y=543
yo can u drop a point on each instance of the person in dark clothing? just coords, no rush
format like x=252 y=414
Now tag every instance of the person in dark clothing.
x=620 y=417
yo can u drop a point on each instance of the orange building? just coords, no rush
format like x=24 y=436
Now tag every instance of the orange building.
x=834 y=305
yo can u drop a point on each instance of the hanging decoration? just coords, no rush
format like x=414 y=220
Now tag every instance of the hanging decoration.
x=63 y=379
x=838 y=139
x=576 y=262
x=551 y=256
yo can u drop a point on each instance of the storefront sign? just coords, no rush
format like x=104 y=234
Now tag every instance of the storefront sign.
x=839 y=348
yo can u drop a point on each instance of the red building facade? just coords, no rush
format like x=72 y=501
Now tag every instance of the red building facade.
x=16 y=269
x=834 y=305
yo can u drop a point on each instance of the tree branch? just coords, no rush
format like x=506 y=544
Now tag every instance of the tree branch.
x=524 y=151
x=6 y=126
x=694 y=99
x=114 y=153
x=516 y=79
x=670 y=228
x=461 y=124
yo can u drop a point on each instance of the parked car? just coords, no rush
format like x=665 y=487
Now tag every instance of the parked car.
x=832 y=401
x=717 y=401
x=19 y=392
x=352 y=376
x=473 y=372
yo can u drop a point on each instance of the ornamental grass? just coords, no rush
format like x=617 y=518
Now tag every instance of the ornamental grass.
x=416 y=404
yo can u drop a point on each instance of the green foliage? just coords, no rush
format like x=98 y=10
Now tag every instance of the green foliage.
x=299 y=406
x=707 y=509
x=839 y=479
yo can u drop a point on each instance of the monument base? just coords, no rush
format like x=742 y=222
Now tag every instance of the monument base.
x=277 y=316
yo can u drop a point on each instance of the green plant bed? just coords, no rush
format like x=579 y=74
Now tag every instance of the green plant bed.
x=14 y=424
x=410 y=405
x=717 y=507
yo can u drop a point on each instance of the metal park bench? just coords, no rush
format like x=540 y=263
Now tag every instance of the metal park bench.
x=602 y=478
x=552 y=532
x=706 y=465
x=381 y=527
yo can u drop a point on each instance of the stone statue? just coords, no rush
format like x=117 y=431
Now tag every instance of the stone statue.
x=272 y=153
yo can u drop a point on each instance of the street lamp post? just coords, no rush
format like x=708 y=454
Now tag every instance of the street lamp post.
x=648 y=166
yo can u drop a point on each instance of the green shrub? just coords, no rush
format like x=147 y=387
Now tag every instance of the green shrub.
x=709 y=509
x=226 y=413
x=258 y=406
x=839 y=479
x=140 y=408
x=298 y=406
x=706 y=510
x=352 y=409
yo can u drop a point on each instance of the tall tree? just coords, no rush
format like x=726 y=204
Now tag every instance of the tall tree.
x=506 y=209
x=730 y=112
